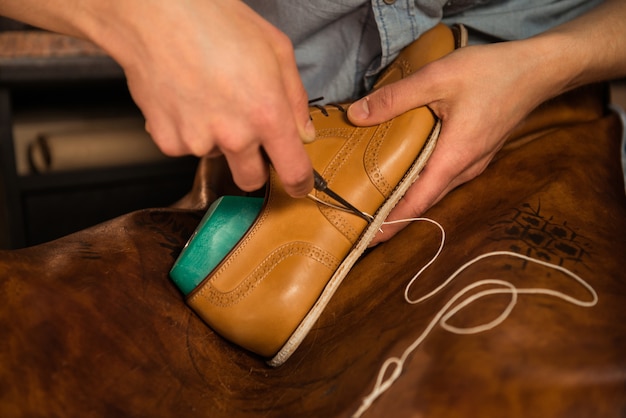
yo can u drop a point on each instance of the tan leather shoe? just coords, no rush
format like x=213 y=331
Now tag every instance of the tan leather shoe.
x=268 y=291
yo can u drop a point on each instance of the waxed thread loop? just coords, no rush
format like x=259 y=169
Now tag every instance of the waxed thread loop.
x=449 y=310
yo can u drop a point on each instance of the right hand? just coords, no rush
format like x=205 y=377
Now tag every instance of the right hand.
x=214 y=77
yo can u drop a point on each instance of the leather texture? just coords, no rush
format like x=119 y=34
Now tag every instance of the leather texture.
x=267 y=293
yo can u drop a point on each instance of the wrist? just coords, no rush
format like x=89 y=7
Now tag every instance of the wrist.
x=565 y=62
x=548 y=64
x=111 y=25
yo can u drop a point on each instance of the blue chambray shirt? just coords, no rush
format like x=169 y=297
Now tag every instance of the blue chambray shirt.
x=341 y=45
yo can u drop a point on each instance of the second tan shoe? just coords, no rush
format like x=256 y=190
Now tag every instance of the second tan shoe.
x=268 y=291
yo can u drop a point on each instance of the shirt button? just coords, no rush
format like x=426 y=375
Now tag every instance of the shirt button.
x=389 y=1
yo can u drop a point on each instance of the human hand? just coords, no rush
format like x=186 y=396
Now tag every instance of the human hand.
x=214 y=77
x=480 y=93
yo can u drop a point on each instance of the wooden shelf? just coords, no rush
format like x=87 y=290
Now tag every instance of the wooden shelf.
x=39 y=56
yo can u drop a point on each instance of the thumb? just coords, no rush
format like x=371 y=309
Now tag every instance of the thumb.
x=385 y=103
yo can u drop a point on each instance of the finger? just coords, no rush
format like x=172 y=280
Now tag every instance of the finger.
x=388 y=102
x=268 y=134
x=297 y=97
x=291 y=162
x=296 y=94
x=248 y=168
x=289 y=158
x=166 y=138
x=285 y=122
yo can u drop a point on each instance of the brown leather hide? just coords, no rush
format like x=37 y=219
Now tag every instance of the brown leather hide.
x=90 y=325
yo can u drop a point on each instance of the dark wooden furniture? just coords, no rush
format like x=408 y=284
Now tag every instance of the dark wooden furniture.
x=41 y=71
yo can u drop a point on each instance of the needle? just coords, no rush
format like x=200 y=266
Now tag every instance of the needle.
x=322 y=186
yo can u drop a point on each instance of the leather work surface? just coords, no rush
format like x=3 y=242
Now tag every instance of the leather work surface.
x=91 y=325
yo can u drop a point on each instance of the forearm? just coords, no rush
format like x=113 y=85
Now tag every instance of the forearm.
x=588 y=49
x=63 y=16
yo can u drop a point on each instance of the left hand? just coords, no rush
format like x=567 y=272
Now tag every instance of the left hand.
x=480 y=93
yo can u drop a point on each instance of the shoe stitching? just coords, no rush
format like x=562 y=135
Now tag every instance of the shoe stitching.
x=405 y=68
x=401 y=65
x=345 y=152
x=231 y=256
x=337 y=219
x=324 y=133
x=370 y=161
x=229 y=259
x=263 y=270
x=372 y=158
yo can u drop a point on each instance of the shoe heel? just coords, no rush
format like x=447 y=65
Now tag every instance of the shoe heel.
x=223 y=225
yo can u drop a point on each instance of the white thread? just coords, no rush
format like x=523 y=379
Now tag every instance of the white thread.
x=448 y=311
x=330 y=205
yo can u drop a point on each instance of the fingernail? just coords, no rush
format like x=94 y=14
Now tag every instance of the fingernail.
x=361 y=108
x=309 y=132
